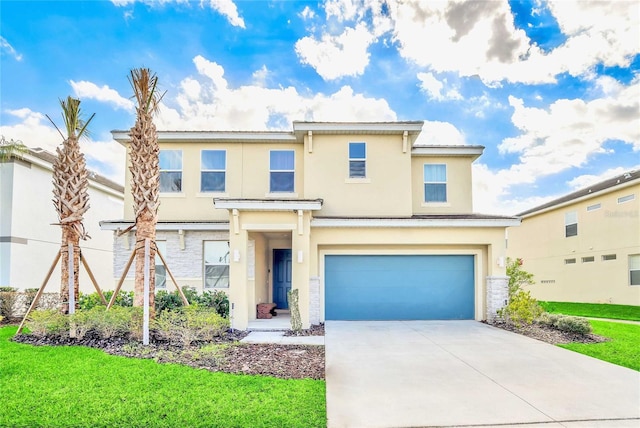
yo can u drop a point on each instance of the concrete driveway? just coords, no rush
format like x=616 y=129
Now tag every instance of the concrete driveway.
x=465 y=373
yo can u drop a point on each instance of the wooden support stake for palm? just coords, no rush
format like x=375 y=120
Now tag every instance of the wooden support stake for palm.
x=124 y=274
x=34 y=303
x=93 y=279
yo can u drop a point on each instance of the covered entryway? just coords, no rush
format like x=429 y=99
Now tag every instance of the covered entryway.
x=399 y=287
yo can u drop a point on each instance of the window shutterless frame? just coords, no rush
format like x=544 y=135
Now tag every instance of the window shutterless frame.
x=435 y=182
x=570 y=224
x=216 y=264
x=170 y=171
x=357 y=160
x=281 y=171
x=213 y=165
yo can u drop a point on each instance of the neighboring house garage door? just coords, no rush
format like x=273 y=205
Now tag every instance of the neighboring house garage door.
x=399 y=287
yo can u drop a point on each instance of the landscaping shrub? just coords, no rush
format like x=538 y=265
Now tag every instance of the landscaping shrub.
x=47 y=322
x=115 y=322
x=8 y=299
x=521 y=307
x=217 y=300
x=89 y=301
x=184 y=326
x=566 y=323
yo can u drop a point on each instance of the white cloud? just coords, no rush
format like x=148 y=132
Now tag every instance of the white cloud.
x=336 y=56
x=435 y=133
x=206 y=102
x=434 y=88
x=107 y=158
x=307 y=13
x=5 y=47
x=565 y=135
x=89 y=90
x=480 y=39
x=226 y=8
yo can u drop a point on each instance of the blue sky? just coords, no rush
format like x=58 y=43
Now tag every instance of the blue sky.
x=551 y=89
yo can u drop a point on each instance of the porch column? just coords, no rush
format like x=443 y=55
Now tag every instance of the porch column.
x=301 y=257
x=238 y=296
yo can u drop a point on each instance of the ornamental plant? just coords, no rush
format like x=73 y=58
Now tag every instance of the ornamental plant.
x=521 y=308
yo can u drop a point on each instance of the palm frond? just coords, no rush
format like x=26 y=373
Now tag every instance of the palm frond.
x=144 y=83
x=11 y=148
x=74 y=124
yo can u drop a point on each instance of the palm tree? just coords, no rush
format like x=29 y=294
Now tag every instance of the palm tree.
x=70 y=196
x=11 y=148
x=145 y=176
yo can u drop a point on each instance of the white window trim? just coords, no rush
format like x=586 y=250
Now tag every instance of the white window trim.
x=181 y=171
x=569 y=224
x=629 y=269
x=288 y=192
x=446 y=188
x=594 y=207
x=214 y=170
x=358 y=179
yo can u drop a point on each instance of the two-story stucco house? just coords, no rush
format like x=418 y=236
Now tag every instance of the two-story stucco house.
x=365 y=225
x=584 y=246
x=29 y=238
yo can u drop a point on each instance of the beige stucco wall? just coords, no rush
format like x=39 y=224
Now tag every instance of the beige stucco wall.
x=612 y=229
x=384 y=192
x=459 y=184
x=247 y=176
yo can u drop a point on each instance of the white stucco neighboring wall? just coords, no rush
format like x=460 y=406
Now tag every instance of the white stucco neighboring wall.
x=29 y=236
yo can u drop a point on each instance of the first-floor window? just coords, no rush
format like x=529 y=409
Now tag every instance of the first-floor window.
x=634 y=269
x=161 y=271
x=216 y=264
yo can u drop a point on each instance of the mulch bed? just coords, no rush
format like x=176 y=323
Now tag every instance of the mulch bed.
x=281 y=361
x=315 y=330
x=549 y=334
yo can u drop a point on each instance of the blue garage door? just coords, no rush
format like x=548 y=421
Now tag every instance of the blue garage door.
x=399 y=287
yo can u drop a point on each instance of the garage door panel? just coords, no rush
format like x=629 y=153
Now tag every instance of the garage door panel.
x=393 y=287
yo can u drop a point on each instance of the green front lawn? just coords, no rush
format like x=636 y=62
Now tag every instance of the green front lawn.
x=594 y=310
x=623 y=349
x=78 y=386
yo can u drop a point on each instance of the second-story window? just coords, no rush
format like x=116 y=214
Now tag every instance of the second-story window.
x=212 y=170
x=357 y=160
x=435 y=182
x=281 y=170
x=170 y=171
x=570 y=224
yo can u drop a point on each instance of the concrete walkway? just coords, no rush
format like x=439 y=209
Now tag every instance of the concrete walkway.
x=280 y=338
x=465 y=373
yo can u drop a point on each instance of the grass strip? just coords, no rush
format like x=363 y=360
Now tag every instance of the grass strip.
x=623 y=349
x=593 y=310
x=75 y=386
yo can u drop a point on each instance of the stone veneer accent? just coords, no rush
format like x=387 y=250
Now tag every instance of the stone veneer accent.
x=183 y=263
x=314 y=300
x=497 y=294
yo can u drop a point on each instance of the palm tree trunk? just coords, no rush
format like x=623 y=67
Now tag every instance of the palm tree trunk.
x=146 y=228
x=69 y=237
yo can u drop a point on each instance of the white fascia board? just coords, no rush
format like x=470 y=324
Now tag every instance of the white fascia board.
x=109 y=225
x=584 y=198
x=384 y=127
x=447 y=151
x=213 y=136
x=266 y=205
x=403 y=223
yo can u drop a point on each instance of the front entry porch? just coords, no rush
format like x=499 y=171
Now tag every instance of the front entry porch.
x=280 y=322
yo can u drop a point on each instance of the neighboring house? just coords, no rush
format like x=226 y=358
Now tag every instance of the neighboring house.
x=29 y=239
x=585 y=246
x=361 y=222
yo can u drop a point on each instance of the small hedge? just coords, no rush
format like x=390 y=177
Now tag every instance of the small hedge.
x=183 y=326
x=566 y=323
